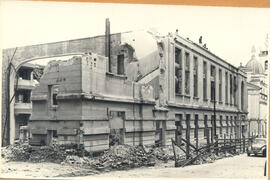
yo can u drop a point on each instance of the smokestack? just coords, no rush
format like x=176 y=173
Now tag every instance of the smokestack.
x=108 y=42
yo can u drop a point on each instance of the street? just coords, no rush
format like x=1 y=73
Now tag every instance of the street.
x=234 y=167
x=240 y=166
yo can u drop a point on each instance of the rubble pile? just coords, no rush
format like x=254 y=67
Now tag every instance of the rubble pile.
x=16 y=152
x=163 y=153
x=47 y=154
x=120 y=157
x=24 y=152
x=117 y=157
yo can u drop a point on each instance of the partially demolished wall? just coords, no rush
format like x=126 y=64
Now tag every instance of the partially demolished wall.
x=89 y=103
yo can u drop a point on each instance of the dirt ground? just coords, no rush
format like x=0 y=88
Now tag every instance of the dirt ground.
x=40 y=170
x=239 y=166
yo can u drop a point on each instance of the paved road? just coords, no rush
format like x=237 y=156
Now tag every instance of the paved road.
x=239 y=166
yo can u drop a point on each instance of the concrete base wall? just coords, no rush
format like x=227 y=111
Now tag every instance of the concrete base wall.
x=140 y=124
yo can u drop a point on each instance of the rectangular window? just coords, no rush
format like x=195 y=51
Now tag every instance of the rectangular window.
x=54 y=133
x=55 y=103
x=195 y=75
x=213 y=120
x=53 y=91
x=187 y=71
x=231 y=89
x=188 y=126
x=196 y=126
x=234 y=90
x=213 y=84
x=120 y=64
x=204 y=80
x=205 y=126
x=178 y=71
x=242 y=96
x=220 y=85
x=220 y=118
x=213 y=71
x=226 y=87
x=227 y=121
x=231 y=124
x=178 y=119
x=179 y=128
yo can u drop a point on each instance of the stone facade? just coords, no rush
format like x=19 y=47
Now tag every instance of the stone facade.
x=24 y=83
x=158 y=88
x=257 y=87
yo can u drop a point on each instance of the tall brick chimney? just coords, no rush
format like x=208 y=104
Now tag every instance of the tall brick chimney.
x=108 y=42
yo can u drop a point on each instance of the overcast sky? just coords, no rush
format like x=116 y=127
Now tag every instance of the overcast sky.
x=230 y=33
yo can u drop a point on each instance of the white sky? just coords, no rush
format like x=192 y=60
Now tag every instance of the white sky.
x=229 y=32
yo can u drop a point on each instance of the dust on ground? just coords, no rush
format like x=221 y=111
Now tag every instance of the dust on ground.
x=25 y=161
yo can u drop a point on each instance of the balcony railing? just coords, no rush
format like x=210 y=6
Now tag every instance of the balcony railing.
x=23 y=108
x=25 y=84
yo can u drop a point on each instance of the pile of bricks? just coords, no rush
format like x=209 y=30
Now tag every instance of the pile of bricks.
x=16 y=152
x=25 y=152
x=117 y=157
x=122 y=157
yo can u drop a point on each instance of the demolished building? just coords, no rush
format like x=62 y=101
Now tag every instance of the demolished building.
x=153 y=88
x=138 y=86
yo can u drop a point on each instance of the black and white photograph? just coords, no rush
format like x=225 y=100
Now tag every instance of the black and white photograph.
x=113 y=90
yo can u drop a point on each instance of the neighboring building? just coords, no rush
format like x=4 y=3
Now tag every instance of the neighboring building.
x=148 y=90
x=22 y=106
x=257 y=86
